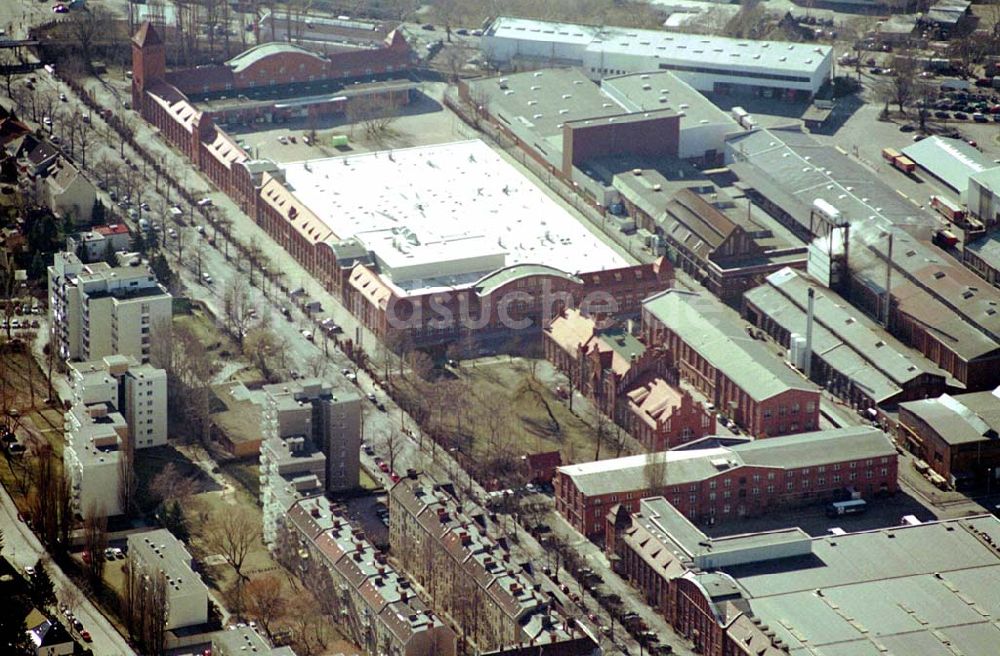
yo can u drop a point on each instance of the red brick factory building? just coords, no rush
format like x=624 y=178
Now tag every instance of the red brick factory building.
x=710 y=483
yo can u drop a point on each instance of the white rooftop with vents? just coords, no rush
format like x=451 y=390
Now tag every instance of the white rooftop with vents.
x=443 y=216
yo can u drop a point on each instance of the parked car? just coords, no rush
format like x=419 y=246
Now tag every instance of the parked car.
x=207 y=279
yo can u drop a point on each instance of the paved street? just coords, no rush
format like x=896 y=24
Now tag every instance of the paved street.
x=22 y=548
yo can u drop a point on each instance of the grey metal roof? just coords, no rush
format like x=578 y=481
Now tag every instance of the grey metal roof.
x=703 y=323
x=792 y=170
x=988 y=248
x=961 y=419
x=248 y=58
x=847 y=340
x=989 y=178
x=971 y=312
x=628 y=474
x=950 y=160
x=927 y=589
x=639 y=92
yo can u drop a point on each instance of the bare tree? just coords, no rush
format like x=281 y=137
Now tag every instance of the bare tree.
x=95 y=541
x=904 y=81
x=654 y=473
x=375 y=117
x=238 y=309
x=127 y=481
x=391 y=443
x=265 y=602
x=170 y=484
x=421 y=364
x=8 y=68
x=318 y=365
x=602 y=429
x=143 y=605
x=310 y=632
x=87 y=26
x=233 y=535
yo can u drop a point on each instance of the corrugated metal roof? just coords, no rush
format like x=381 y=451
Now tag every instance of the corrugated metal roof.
x=949 y=160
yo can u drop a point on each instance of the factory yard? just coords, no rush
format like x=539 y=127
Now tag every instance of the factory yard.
x=421 y=123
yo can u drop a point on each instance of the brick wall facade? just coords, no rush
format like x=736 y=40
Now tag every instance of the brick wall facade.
x=744 y=491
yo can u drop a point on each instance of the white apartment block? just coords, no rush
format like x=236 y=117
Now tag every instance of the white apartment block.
x=187 y=595
x=291 y=468
x=95 y=439
x=332 y=419
x=100 y=310
x=243 y=641
x=138 y=391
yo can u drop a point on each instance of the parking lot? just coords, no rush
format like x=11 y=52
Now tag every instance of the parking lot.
x=423 y=122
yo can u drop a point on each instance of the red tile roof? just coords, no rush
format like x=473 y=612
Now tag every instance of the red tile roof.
x=113 y=229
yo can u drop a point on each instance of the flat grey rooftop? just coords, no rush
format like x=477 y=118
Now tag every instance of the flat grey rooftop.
x=910 y=590
x=644 y=92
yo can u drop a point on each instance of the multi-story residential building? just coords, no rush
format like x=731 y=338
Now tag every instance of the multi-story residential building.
x=243 y=640
x=138 y=391
x=96 y=437
x=956 y=436
x=744 y=379
x=118 y=405
x=711 y=483
x=377 y=606
x=159 y=552
x=469 y=576
x=330 y=418
x=100 y=310
x=291 y=468
x=625 y=380
x=903 y=589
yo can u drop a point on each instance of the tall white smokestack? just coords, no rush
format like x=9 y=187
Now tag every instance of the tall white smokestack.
x=807 y=369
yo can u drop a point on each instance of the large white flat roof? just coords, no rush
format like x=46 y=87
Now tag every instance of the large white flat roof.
x=444 y=216
x=712 y=51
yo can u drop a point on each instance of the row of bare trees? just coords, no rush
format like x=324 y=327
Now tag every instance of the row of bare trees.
x=143 y=606
x=190 y=366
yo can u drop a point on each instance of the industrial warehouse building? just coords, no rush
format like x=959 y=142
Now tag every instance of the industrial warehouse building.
x=706 y=234
x=924 y=589
x=952 y=161
x=933 y=304
x=550 y=112
x=851 y=355
x=956 y=436
x=708 y=63
x=452 y=248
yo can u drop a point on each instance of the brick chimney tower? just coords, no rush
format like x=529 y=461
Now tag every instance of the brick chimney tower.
x=149 y=62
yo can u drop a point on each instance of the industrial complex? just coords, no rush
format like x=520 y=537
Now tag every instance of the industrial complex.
x=708 y=63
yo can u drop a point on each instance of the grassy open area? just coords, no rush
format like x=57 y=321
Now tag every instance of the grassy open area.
x=493 y=412
x=24 y=394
